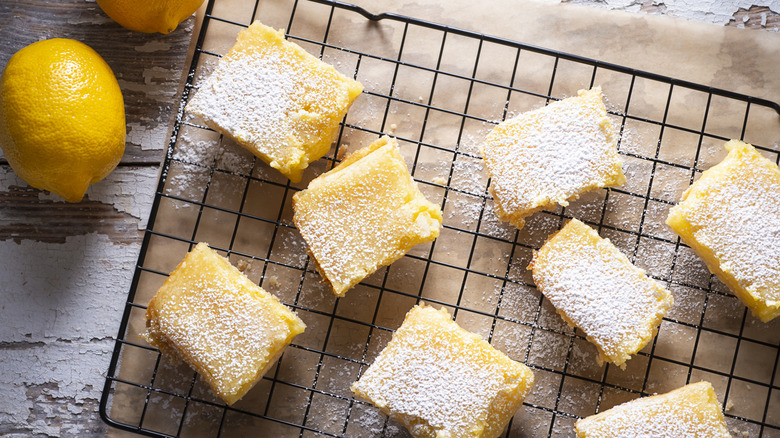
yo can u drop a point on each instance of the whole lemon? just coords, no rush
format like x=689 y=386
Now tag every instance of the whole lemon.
x=62 y=117
x=149 y=15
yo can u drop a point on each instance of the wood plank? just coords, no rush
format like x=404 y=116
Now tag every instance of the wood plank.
x=116 y=207
x=756 y=17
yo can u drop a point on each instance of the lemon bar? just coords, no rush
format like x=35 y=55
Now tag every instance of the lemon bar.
x=365 y=213
x=275 y=99
x=692 y=411
x=224 y=326
x=731 y=217
x=440 y=380
x=551 y=155
x=594 y=287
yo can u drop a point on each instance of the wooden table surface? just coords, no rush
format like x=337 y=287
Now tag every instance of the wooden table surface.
x=66 y=268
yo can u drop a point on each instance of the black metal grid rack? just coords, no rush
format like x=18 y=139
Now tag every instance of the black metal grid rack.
x=438 y=90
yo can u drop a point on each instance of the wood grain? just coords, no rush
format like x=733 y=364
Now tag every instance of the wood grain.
x=28 y=217
x=754 y=16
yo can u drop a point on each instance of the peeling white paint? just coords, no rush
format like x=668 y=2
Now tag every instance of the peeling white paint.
x=9 y=178
x=707 y=11
x=69 y=376
x=96 y=19
x=154 y=46
x=159 y=86
x=48 y=294
x=59 y=315
x=713 y=11
x=157 y=83
x=128 y=189
x=148 y=138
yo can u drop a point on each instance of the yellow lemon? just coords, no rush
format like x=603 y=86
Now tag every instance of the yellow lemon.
x=62 y=117
x=149 y=15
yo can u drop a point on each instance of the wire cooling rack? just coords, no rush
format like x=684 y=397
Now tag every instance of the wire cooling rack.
x=439 y=90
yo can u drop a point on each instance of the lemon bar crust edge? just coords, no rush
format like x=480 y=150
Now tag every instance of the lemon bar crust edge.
x=647 y=328
x=741 y=157
x=158 y=337
x=610 y=172
x=424 y=223
x=311 y=131
x=703 y=417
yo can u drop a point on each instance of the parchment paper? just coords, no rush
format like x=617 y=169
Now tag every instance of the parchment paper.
x=213 y=171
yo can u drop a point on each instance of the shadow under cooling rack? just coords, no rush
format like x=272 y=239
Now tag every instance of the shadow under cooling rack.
x=439 y=90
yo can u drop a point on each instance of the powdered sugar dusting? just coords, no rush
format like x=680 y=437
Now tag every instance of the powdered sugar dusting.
x=275 y=99
x=552 y=154
x=219 y=322
x=594 y=285
x=195 y=150
x=365 y=213
x=439 y=380
x=630 y=141
x=249 y=97
x=233 y=158
x=367 y=421
x=467 y=175
x=734 y=211
x=688 y=412
x=493 y=226
x=186 y=182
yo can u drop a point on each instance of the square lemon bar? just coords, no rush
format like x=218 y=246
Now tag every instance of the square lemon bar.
x=219 y=322
x=275 y=99
x=365 y=213
x=731 y=217
x=440 y=380
x=551 y=155
x=594 y=287
x=692 y=411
